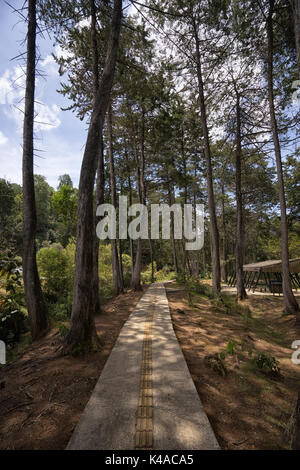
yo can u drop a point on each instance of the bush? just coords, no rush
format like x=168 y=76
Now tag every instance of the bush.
x=62 y=310
x=52 y=265
x=265 y=361
x=216 y=362
x=194 y=285
x=165 y=274
x=146 y=276
x=13 y=322
x=229 y=305
x=63 y=330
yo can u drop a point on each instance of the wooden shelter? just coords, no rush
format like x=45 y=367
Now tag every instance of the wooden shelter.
x=268 y=274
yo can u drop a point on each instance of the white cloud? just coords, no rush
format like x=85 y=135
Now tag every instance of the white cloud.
x=3 y=138
x=5 y=87
x=85 y=23
x=46 y=117
x=12 y=86
x=11 y=162
x=50 y=65
x=60 y=157
x=64 y=53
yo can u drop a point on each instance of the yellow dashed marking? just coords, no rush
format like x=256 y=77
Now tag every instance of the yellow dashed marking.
x=144 y=422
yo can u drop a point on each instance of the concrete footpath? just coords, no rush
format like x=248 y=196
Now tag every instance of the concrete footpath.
x=145 y=397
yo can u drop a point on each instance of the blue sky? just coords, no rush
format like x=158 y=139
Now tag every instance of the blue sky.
x=62 y=142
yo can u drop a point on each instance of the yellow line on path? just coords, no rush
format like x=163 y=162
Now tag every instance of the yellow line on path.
x=144 y=419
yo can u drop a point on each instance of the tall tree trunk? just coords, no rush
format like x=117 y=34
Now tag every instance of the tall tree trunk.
x=293 y=427
x=224 y=267
x=94 y=47
x=140 y=164
x=100 y=165
x=82 y=333
x=100 y=182
x=186 y=258
x=296 y=19
x=118 y=284
x=130 y=204
x=290 y=302
x=239 y=249
x=121 y=249
x=36 y=306
x=170 y=200
x=151 y=259
x=214 y=233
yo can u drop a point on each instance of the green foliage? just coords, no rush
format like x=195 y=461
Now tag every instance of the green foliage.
x=228 y=304
x=13 y=321
x=7 y=205
x=216 y=362
x=52 y=266
x=56 y=269
x=165 y=274
x=10 y=215
x=231 y=347
x=194 y=285
x=63 y=330
x=267 y=362
x=62 y=310
x=43 y=207
x=106 y=287
x=64 y=203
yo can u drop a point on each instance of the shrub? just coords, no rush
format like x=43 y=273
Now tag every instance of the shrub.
x=63 y=330
x=165 y=274
x=52 y=265
x=231 y=347
x=13 y=321
x=194 y=285
x=147 y=273
x=216 y=362
x=62 y=310
x=265 y=361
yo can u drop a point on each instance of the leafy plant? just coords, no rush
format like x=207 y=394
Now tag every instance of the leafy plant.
x=231 y=347
x=265 y=361
x=13 y=321
x=62 y=330
x=52 y=265
x=217 y=363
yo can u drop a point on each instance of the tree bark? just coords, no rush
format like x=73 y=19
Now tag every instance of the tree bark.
x=140 y=165
x=171 y=199
x=296 y=19
x=118 y=284
x=224 y=267
x=82 y=333
x=130 y=204
x=100 y=182
x=100 y=165
x=214 y=233
x=293 y=427
x=291 y=305
x=36 y=306
x=239 y=250
x=94 y=46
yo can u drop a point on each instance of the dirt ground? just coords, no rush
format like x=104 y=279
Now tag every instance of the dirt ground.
x=248 y=409
x=42 y=397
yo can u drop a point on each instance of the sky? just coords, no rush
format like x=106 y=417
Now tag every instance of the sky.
x=58 y=134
